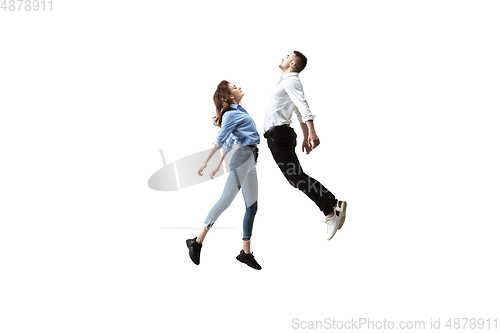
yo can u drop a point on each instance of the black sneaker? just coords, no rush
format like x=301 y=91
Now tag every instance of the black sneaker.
x=194 y=250
x=248 y=259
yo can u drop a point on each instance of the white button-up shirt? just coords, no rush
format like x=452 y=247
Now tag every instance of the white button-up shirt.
x=288 y=96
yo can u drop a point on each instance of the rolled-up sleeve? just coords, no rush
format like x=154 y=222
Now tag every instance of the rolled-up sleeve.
x=228 y=145
x=294 y=89
x=228 y=125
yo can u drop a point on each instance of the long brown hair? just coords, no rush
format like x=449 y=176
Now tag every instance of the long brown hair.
x=221 y=101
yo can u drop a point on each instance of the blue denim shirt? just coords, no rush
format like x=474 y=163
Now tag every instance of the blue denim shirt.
x=237 y=126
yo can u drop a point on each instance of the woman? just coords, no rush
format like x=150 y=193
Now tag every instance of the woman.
x=236 y=125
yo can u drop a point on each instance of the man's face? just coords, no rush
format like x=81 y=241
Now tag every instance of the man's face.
x=285 y=62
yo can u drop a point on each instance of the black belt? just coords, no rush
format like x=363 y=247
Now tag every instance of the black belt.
x=266 y=135
x=253 y=148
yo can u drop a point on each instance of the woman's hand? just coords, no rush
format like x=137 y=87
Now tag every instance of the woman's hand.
x=201 y=169
x=212 y=174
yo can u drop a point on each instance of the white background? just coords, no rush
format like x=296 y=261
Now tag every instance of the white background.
x=406 y=95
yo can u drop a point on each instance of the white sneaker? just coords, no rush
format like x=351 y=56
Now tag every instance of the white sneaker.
x=332 y=225
x=341 y=207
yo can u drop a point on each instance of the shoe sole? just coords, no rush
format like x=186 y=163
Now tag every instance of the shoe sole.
x=240 y=260
x=329 y=238
x=343 y=209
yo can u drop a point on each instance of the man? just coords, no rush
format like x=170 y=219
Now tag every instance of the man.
x=288 y=96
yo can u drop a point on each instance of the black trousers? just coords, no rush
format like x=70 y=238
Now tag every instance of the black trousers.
x=282 y=141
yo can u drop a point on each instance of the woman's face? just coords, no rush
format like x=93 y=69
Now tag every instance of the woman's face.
x=236 y=92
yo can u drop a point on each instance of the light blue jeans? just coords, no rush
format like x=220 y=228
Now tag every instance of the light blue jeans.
x=243 y=174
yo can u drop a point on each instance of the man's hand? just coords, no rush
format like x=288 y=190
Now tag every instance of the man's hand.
x=313 y=140
x=306 y=146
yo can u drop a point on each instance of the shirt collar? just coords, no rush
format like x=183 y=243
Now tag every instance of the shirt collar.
x=287 y=75
x=237 y=107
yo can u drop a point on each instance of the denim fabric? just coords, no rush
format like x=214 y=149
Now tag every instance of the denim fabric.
x=242 y=175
